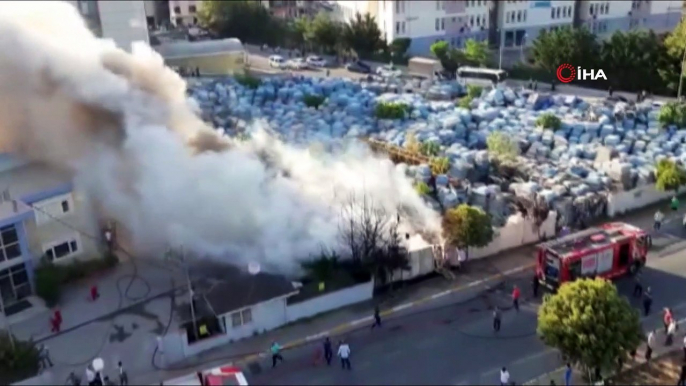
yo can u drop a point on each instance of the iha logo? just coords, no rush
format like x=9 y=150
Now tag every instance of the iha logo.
x=567 y=73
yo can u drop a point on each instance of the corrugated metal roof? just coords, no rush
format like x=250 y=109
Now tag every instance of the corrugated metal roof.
x=198 y=48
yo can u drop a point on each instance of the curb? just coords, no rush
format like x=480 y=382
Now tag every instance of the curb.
x=345 y=327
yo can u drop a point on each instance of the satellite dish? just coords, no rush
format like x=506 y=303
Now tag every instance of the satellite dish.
x=98 y=364
x=254 y=268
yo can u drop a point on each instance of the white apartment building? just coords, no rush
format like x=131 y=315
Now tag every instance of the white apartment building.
x=514 y=22
x=27 y=234
x=183 y=12
x=122 y=21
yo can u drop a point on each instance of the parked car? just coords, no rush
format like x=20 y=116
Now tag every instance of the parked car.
x=316 y=61
x=277 y=61
x=297 y=64
x=388 y=71
x=359 y=67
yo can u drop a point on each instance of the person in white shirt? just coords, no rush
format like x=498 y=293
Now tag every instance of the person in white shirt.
x=658 y=220
x=671 y=330
x=650 y=343
x=90 y=375
x=504 y=377
x=684 y=348
x=344 y=354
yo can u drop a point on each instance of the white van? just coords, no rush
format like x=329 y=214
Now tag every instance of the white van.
x=277 y=61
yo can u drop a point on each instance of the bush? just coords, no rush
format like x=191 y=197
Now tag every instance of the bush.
x=429 y=149
x=422 y=188
x=48 y=279
x=465 y=102
x=17 y=362
x=549 y=121
x=313 y=100
x=474 y=91
x=672 y=113
x=248 y=81
x=391 y=110
x=440 y=165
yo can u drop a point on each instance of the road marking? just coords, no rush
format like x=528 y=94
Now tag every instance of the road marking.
x=360 y=321
x=440 y=294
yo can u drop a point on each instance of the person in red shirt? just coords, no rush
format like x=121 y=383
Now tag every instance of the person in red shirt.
x=667 y=318
x=515 y=298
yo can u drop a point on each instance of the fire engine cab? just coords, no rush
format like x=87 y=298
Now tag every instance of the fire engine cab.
x=610 y=250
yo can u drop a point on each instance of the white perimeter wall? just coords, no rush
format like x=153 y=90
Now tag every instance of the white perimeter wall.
x=330 y=301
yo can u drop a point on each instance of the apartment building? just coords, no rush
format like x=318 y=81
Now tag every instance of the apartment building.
x=52 y=230
x=184 y=12
x=122 y=21
x=512 y=23
x=290 y=9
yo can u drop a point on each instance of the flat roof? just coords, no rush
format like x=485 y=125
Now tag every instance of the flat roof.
x=586 y=239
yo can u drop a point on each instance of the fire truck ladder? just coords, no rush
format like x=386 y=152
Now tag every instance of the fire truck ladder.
x=441 y=262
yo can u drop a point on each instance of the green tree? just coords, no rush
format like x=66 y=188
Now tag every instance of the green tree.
x=670 y=63
x=20 y=359
x=449 y=57
x=422 y=188
x=299 y=32
x=465 y=102
x=362 y=35
x=631 y=59
x=502 y=146
x=325 y=33
x=590 y=323
x=565 y=45
x=467 y=226
x=237 y=19
x=549 y=121
x=474 y=91
x=672 y=113
x=476 y=52
x=669 y=176
x=399 y=48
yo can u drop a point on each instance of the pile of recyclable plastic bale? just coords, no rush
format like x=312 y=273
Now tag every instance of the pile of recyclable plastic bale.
x=557 y=167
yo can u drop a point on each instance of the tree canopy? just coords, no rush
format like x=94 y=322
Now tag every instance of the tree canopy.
x=237 y=19
x=362 y=35
x=476 y=52
x=325 y=33
x=565 y=45
x=450 y=58
x=467 y=226
x=630 y=58
x=399 y=48
x=669 y=176
x=590 y=323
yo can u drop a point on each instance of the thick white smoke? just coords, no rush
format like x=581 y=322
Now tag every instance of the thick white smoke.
x=121 y=123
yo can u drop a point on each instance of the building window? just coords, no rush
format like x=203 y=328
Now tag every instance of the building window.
x=62 y=250
x=442 y=24
x=65 y=206
x=437 y=24
x=471 y=21
x=192 y=9
x=438 y=6
x=402 y=27
x=241 y=318
x=524 y=15
x=557 y=13
x=519 y=16
x=9 y=243
x=590 y=9
x=552 y=13
x=177 y=10
x=397 y=27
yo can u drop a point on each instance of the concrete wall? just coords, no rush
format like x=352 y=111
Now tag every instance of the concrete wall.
x=330 y=301
x=621 y=202
x=220 y=64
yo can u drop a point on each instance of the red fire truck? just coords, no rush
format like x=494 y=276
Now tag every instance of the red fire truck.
x=608 y=251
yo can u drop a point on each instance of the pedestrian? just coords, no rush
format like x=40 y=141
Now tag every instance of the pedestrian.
x=671 y=330
x=650 y=343
x=535 y=85
x=496 y=319
x=328 y=72
x=675 y=204
x=647 y=301
x=95 y=294
x=568 y=375
x=515 y=298
x=504 y=377
x=44 y=356
x=667 y=318
x=682 y=375
x=328 y=351
x=638 y=286
x=610 y=91
x=377 y=318
x=534 y=285
x=201 y=379
x=344 y=354
x=276 y=354
x=123 y=377
x=658 y=218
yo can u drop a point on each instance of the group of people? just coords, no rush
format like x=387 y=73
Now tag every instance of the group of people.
x=343 y=353
x=96 y=378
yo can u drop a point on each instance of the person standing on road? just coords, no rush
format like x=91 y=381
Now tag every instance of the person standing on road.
x=515 y=298
x=671 y=330
x=504 y=377
x=328 y=351
x=377 y=318
x=650 y=343
x=684 y=348
x=658 y=218
x=534 y=286
x=638 y=286
x=675 y=204
x=276 y=354
x=123 y=377
x=496 y=319
x=647 y=301
x=344 y=354
x=667 y=318
x=568 y=375
x=44 y=356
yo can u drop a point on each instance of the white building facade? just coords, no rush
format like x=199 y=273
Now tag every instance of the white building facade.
x=514 y=22
x=184 y=12
x=122 y=21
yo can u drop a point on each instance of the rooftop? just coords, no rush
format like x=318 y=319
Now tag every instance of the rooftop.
x=222 y=288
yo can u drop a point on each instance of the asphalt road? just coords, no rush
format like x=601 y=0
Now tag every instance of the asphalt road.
x=451 y=341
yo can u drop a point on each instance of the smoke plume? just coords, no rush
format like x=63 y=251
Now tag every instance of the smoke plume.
x=121 y=124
